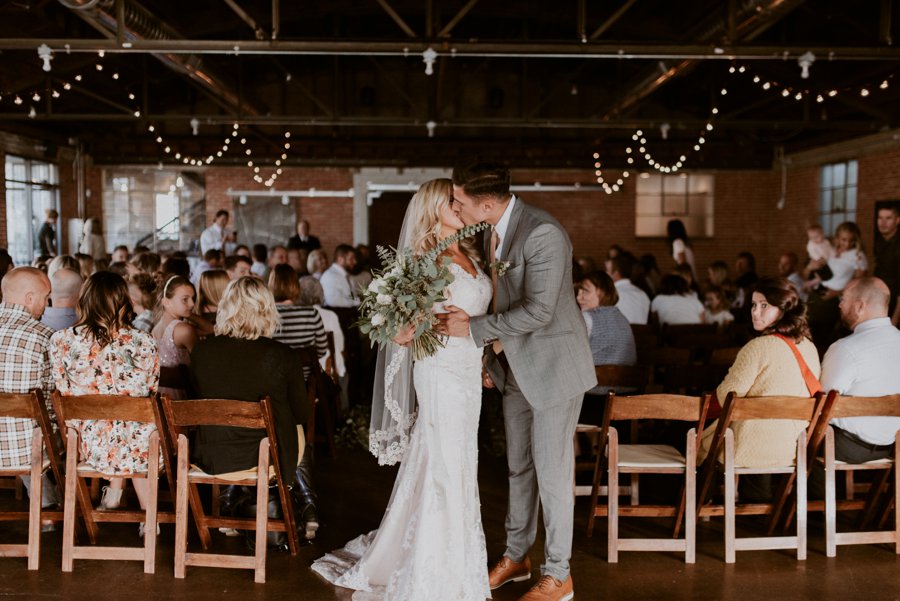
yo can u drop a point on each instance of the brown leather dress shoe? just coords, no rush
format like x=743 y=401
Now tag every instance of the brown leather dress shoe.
x=549 y=588
x=506 y=570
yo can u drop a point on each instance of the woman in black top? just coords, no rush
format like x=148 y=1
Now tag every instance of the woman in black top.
x=243 y=362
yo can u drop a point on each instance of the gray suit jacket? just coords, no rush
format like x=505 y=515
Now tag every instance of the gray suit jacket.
x=536 y=317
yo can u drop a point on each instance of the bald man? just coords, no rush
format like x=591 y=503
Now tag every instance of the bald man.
x=863 y=364
x=24 y=359
x=65 y=287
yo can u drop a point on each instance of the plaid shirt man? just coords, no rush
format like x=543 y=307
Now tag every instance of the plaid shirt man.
x=24 y=365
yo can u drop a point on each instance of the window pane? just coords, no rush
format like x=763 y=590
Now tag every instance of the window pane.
x=167 y=216
x=839 y=177
x=825 y=177
x=661 y=198
x=825 y=200
x=852 y=169
x=851 y=200
x=837 y=200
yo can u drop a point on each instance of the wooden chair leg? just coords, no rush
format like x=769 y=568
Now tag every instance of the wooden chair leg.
x=95 y=489
x=215 y=507
x=19 y=488
x=262 y=502
x=612 y=499
x=850 y=484
x=34 y=501
x=688 y=503
x=830 y=496
x=69 y=500
x=181 y=507
x=801 y=496
x=876 y=490
x=150 y=522
x=635 y=495
x=730 y=486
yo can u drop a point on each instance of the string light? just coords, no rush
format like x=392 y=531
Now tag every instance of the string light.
x=798 y=93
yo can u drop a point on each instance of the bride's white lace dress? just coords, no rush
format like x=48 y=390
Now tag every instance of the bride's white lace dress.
x=430 y=545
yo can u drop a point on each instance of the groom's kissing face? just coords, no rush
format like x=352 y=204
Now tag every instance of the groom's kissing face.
x=465 y=206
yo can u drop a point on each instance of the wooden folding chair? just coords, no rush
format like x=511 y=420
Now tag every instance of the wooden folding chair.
x=664 y=363
x=849 y=406
x=747 y=408
x=184 y=415
x=637 y=459
x=621 y=378
x=25 y=406
x=724 y=356
x=106 y=407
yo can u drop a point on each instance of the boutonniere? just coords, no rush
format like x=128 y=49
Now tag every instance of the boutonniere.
x=500 y=267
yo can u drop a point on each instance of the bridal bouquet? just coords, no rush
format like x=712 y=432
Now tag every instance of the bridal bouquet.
x=405 y=291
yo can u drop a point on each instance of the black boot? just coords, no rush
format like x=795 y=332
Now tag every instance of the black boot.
x=305 y=496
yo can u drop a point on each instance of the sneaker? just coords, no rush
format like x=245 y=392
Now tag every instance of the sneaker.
x=310 y=520
x=141 y=530
x=110 y=499
x=230 y=531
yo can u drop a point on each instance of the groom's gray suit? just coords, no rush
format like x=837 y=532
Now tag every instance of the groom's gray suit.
x=549 y=368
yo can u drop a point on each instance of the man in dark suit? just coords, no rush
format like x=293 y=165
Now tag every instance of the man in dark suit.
x=303 y=240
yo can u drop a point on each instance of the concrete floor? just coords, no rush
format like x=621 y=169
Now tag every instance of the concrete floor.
x=355 y=491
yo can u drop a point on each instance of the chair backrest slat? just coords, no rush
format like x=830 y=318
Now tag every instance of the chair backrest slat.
x=17 y=405
x=104 y=406
x=857 y=406
x=773 y=407
x=213 y=412
x=656 y=406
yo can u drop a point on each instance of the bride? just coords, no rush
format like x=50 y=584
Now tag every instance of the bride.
x=430 y=543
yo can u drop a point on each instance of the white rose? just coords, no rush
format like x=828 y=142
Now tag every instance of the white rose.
x=375 y=284
x=377 y=319
x=384 y=299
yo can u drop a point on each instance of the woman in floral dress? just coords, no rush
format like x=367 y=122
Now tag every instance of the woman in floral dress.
x=103 y=354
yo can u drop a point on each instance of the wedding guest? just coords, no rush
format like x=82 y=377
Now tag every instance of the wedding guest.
x=678 y=239
x=92 y=243
x=301 y=326
x=303 y=240
x=65 y=287
x=63 y=262
x=24 y=361
x=119 y=254
x=296 y=258
x=220 y=366
x=260 y=256
x=242 y=250
x=887 y=255
x=47 y=234
x=768 y=366
x=142 y=290
x=335 y=280
x=862 y=364
x=633 y=302
x=174 y=335
x=317 y=263
x=146 y=262
x=675 y=305
x=716 y=310
x=103 y=354
x=86 y=265
x=237 y=266
x=212 y=259
x=217 y=234
x=609 y=333
x=176 y=265
x=787 y=268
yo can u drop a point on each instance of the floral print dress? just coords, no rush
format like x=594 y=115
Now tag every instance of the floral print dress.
x=128 y=365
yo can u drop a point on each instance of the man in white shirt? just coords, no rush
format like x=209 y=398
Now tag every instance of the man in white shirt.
x=633 y=302
x=336 y=279
x=863 y=364
x=217 y=236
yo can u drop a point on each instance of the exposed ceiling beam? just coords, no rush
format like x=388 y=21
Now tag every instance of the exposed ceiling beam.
x=533 y=49
x=397 y=18
x=246 y=18
x=456 y=19
x=612 y=19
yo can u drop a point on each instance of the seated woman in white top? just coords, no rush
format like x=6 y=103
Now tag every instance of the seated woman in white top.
x=675 y=304
x=681 y=245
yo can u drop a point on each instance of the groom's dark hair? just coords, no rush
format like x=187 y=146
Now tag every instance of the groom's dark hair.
x=481 y=180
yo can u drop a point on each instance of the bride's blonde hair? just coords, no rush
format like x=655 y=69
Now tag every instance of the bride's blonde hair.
x=432 y=197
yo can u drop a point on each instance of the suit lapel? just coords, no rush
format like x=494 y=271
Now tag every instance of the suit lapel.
x=514 y=220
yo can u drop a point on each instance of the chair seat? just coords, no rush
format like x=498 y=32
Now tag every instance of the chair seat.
x=89 y=471
x=650 y=456
x=248 y=474
x=17 y=470
x=587 y=428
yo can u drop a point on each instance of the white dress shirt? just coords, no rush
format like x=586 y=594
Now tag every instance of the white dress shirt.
x=212 y=238
x=336 y=283
x=865 y=364
x=675 y=309
x=633 y=302
x=503 y=225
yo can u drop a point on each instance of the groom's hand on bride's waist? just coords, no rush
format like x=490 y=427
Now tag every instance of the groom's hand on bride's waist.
x=455 y=322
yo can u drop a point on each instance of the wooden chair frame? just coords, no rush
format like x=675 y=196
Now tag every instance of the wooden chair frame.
x=850 y=406
x=746 y=408
x=318 y=399
x=616 y=377
x=649 y=406
x=107 y=407
x=183 y=415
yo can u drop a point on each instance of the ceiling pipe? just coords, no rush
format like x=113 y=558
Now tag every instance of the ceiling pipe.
x=141 y=25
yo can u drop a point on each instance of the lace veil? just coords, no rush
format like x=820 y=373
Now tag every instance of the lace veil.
x=394 y=406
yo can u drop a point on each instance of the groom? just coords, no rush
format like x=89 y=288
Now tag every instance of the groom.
x=539 y=357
